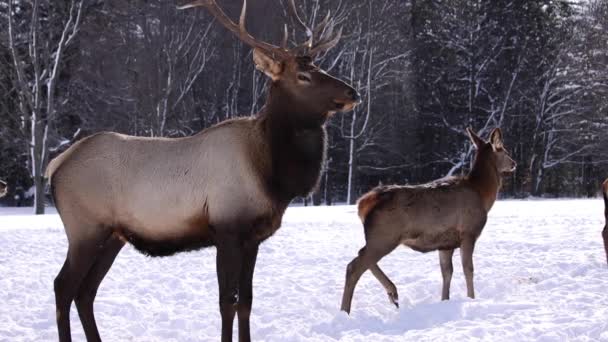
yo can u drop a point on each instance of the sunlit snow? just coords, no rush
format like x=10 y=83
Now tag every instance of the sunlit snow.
x=540 y=275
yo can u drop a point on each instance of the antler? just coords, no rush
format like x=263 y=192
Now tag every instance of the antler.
x=239 y=30
x=324 y=29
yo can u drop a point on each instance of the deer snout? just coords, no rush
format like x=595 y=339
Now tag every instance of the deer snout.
x=513 y=166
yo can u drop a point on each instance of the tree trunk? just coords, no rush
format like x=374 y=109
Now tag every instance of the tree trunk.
x=327 y=188
x=351 y=161
x=537 y=181
x=38 y=160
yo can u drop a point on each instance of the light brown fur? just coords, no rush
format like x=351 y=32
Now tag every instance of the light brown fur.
x=366 y=203
x=442 y=215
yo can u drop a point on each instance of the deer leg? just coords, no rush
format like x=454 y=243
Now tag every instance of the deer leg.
x=250 y=253
x=228 y=263
x=466 y=254
x=368 y=256
x=88 y=289
x=390 y=288
x=81 y=256
x=605 y=237
x=447 y=269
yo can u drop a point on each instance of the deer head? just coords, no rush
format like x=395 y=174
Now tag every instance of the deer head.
x=292 y=71
x=494 y=149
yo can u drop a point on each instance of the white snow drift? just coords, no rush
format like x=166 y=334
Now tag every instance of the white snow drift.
x=540 y=275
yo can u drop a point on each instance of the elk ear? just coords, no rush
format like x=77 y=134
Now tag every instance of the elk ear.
x=267 y=64
x=477 y=141
x=496 y=138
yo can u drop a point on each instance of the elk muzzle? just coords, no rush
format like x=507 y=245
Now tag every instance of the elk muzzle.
x=349 y=101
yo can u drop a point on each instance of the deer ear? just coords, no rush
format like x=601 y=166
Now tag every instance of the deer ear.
x=496 y=137
x=477 y=141
x=267 y=64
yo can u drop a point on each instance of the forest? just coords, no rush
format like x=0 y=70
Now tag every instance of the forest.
x=426 y=70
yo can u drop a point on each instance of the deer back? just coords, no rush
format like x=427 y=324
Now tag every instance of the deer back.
x=430 y=209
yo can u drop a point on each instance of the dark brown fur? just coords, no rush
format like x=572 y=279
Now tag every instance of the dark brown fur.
x=442 y=215
x=200 y=235
x=298 y=145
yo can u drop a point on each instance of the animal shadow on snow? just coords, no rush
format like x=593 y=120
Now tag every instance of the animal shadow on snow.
x=416 y=317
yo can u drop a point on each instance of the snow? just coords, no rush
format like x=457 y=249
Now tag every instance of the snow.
x=540 y=275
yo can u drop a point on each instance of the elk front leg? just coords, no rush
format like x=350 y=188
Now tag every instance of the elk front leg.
x=250 y=253
x=447 y=269
x=466 y=253
x=228 y=263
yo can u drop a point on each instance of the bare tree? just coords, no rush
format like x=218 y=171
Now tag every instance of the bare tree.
x=39 y=35
x=374 y=61
x=171 y=52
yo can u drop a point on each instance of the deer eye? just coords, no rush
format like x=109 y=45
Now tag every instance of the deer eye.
x=304 y=77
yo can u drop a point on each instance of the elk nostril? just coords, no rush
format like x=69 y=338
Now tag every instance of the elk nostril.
x=353 y=94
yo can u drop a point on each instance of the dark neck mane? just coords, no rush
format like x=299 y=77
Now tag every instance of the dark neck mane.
x=297 y=141
x=485 y=178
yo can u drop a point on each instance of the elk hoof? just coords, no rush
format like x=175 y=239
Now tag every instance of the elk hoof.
x=345 y=308
x=394 y=299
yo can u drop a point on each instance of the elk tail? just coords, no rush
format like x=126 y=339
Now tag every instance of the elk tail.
x=371 y=200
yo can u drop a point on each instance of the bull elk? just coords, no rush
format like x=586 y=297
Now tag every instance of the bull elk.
x=443 y=215
x=3 y=188
x=605 y=231
x=227 y=186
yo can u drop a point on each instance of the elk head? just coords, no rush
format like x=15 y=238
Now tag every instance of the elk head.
x=306 y=87
x=495 y=149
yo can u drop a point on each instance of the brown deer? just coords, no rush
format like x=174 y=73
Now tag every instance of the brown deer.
x=443 y=215
x=3 y=188
x=227 y=186
x=605 y=231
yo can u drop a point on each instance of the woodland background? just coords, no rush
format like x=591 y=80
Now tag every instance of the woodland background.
x=426 y=70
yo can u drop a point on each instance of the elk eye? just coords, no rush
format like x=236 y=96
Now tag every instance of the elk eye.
x=303 y=77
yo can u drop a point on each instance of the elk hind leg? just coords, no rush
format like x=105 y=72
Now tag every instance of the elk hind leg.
x=368 y=256
x=447 y=269
x=88 y=289
x=389 y=286
x=80 y=257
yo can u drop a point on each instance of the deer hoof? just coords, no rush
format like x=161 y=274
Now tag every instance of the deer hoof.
x=394 y=299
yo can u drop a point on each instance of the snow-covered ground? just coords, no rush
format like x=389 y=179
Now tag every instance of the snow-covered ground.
x=540 y=275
